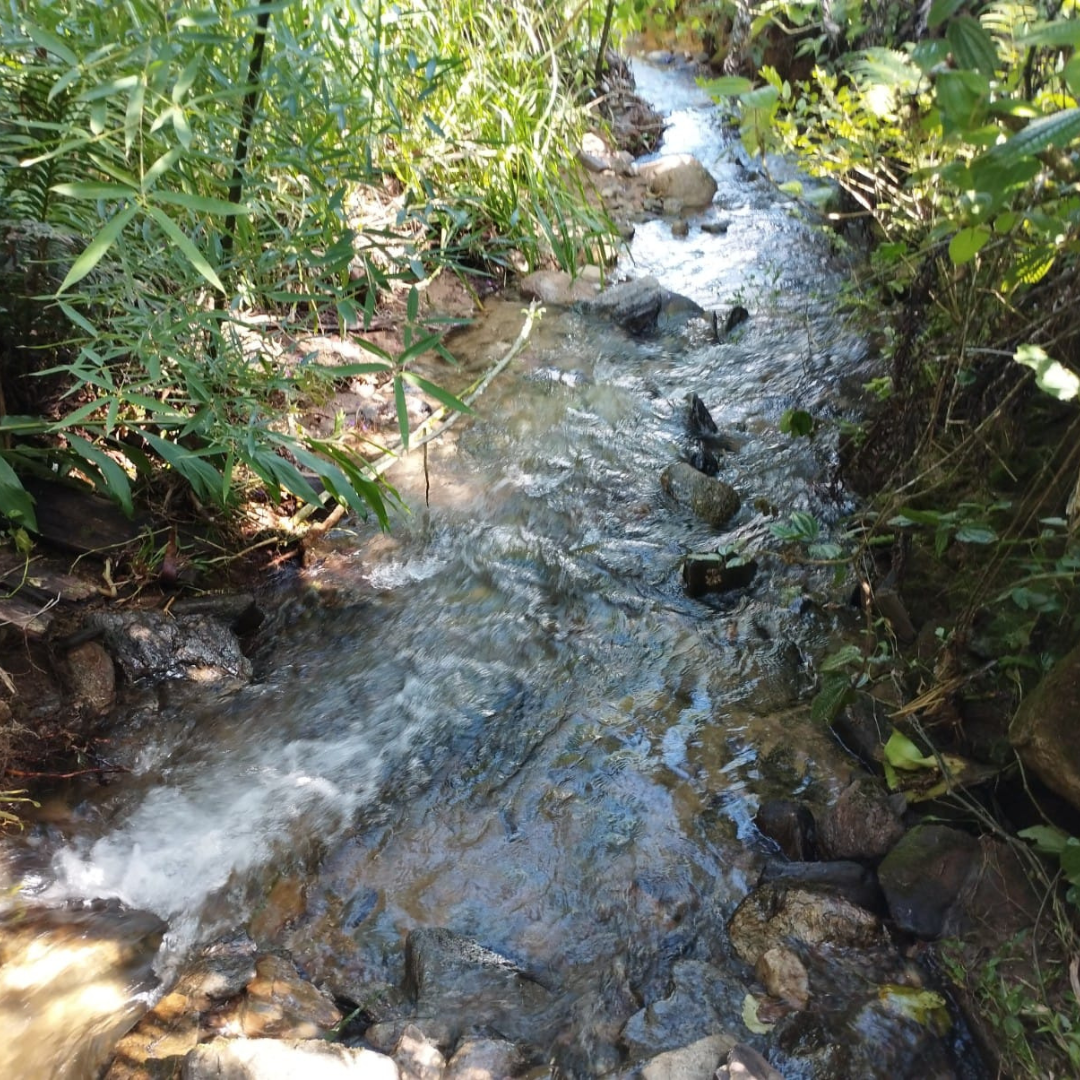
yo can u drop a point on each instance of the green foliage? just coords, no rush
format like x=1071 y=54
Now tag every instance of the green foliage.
x=199 y=195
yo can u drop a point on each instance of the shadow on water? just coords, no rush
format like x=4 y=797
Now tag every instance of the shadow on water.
x=506 y=718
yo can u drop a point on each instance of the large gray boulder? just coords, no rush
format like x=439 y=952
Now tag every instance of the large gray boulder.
x=633 y=305
x=1044 y=729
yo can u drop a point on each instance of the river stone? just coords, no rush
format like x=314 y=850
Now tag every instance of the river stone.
x=698 y=995
x=678 y=176
x=417 y=1057
x=464 y=984
x=863 y=823
x=274 y=1059
x=633 y=305
x=1044 y=728
x=93 y=676
x=279 y=1004
x=851 y=880
x=156 y=1047
x=153 y=645
x=922 y=877
x=698 y=1061
x=680 y=228
x=772 y=914
x=707 y=497
x=745 y=1063
x=485 y=1059
x=790 y=825
x=784 y=976
x=939 y=881
x=557 y=287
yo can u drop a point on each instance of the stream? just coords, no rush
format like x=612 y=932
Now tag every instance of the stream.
x=506 y=717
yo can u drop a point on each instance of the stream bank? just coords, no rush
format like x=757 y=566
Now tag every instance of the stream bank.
x=497 y=789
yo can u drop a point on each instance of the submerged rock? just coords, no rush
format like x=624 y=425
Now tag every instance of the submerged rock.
x=706 y=497
x=698 y=1061
x=680 y=177
x=279 y=1003
x=274 y=1059
x=790 y=825
x=851 y=880
x=784 y=976
x=1044 y=728
x=463 y=984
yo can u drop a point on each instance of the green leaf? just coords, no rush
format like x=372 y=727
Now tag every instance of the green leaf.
x=901 y=753
x=835 y=693
x=97 y=248
x=1050 y=375
x=797 y=423
x=976 y=534
x=967 y=243
x=842 y=658
x=48 y=41
x=16 y=503
x=184 y=243
x=1055 y=130
x=116 y=480
x=1061 y=33
x=204 y=479
x=972 y=46
x=1048 y=839
x=444 y=397
x=962 y=97
x=728 y=86
x=201 y=204
x=133 y=114
x=940 y=10
x=402 y=410
x=750 y=1016
x=1070 y=860
x=88 y=189
x=69 y=77
x=161 y=167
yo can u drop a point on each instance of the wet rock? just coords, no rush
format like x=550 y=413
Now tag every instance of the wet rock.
x=698 y=1061
x=417 y=1057
x=485 y=1059
x=239 y=611
x=790 y=825
x=464 y=984
x=716 y=572
x=923 y=875
x=156 y=1047
x=678 y=176
x=736 y=317
x=633 y=305
x=700 y=421
x=704 y=460
x=273 y=1059
x=557 y=287
x=864 y=823
x=850 y=880
x=220 y=973
x=706 y=497
x=153 y=645
x=1043 y=731
x=284 y=904
x=784 y=976
x=772 y=915
x=939 y=881
x=716 y=228
x=863 y=728
x=680 y=228
x=698 y=995
x=93 y=677
x=745 y=1063
x=280 y=1004
x=385 y=1035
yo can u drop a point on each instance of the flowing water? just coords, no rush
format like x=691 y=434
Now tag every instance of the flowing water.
x=506 y=718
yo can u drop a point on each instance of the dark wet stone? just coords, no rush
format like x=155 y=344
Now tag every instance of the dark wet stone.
x=863 y=823
x=360 y=908
x=863 y=728
x=633 y=305
x=238 y=610
x=464 y=985
x=700 y=420
x=220 y=972
x=790 y=825
x=699 y=994
x=716 y=228
x=736 y=316
x=714 y=572
x=705 y=461
x=774 y=914
x=153 y=645
x=939 y=881
x=923 y=875
x=705 y=496
x=850 y=880
x=92 y=676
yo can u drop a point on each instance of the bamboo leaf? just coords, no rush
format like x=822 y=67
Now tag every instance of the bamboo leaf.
x=161 y=167
x=186 y=246
x=1061 y=34
x=16 y=504
x=88 y=189
x=444 y=397
x=202 y=204
x=116 y=480
x=48 y=41
x=402 y=410
x=97 y=248
x=204 y=479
